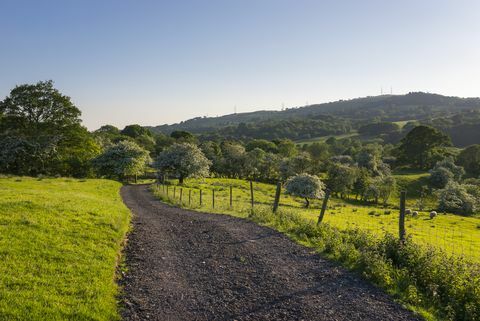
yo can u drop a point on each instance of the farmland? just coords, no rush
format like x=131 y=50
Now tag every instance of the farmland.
x=60 y=241
x=453 y=234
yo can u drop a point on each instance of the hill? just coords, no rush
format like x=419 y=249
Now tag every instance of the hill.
x=338 y=118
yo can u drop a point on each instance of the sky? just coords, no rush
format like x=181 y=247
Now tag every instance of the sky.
x=155 y=62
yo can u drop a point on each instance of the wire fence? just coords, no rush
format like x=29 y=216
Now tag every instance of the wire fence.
x=454 y=235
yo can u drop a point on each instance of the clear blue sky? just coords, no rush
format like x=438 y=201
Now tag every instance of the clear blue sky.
x=156 y=62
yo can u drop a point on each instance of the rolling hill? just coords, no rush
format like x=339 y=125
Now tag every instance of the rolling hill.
x=342 y=117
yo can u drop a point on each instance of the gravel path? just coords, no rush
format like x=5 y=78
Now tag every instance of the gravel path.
x=184 y=265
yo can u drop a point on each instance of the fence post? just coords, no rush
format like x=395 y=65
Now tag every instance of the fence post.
x=200 y=197
x=324 y=207
x=277 y=197
x=401 y=221
x=231 y=199
x=251 y=193
x=167 y=192
x=189 y=197
x=174 y=191
x=213 y=198
x=181 y=194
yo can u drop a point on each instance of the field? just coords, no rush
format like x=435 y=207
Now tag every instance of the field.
x=455 y=235
x=322 y=139
x=60 y=241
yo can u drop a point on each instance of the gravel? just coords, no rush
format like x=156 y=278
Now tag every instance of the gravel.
x=185 y=265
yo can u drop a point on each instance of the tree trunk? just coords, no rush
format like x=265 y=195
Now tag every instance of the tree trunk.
x=180 y=180
x=307 y=203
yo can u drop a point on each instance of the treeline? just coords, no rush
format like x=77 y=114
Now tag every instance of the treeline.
x=41 y=134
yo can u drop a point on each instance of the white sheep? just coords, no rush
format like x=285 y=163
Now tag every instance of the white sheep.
x=433 y=214
x=414 y=214
x=408 y=211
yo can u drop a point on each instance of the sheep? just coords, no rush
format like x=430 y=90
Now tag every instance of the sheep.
x=408 y=211
x=414 y=214
x=433 y=214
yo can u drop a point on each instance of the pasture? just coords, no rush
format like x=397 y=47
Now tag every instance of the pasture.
x=60 y=241
x=455 y=235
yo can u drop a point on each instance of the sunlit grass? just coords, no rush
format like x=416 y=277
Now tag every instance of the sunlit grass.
x=59 y=244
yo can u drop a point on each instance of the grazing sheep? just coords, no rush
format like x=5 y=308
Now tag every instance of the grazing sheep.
x=408 y=211
x=414 y=214
x=433 y=214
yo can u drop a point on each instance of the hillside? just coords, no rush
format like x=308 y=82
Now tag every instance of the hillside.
x=339 y=117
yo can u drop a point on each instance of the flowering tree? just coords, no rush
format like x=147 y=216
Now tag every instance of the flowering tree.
x=306 y=186
x=122 y=160
x=183 y=160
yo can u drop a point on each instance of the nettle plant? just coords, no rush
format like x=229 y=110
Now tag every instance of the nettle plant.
x=306 y=186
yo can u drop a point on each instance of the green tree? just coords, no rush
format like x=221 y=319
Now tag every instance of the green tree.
x=263 y=144
x=306 y=186
x=183 y=160
x=38 y=129
x=301 y=163
x=233 y=159
x=182 y=136
x=122 y=160
x=419 y=145
x=444 y=172
x=340 y=178
x=135 y=131
x=286 y=148
x=469 y=159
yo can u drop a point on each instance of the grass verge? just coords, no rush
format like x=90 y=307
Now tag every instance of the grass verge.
x=60 y=241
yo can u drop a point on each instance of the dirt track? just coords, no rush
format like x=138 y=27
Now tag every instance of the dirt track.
x=185 y=265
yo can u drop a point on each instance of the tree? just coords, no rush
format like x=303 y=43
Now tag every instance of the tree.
x=254 y=161
x=385 y=186
x=183 y=160
x=469 y=158
x=306 y=186
x=182 y=136
x=135 y=131
x=38 y=129
x=444 y=172
x=263 y=144
x=295 y=165
x=340 y=178
x=122 y=160
x=286 y=148
x=421 y=143
x=233 y=159
x=455 y=198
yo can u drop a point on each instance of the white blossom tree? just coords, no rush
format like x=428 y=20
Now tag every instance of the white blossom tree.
x=306 y=186
x=183 y=160
x=122 y=160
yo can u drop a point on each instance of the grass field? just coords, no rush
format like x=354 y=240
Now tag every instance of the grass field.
x=456 y=235
x=322 y=139
x=60 y=241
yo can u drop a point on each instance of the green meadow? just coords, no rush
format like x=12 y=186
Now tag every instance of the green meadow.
x=60 y=243
x=455 y=235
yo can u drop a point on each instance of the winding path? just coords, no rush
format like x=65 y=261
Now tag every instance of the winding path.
x=184 y=265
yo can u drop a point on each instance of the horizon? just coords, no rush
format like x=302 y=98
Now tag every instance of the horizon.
x=155 y=63
x=309 y=105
